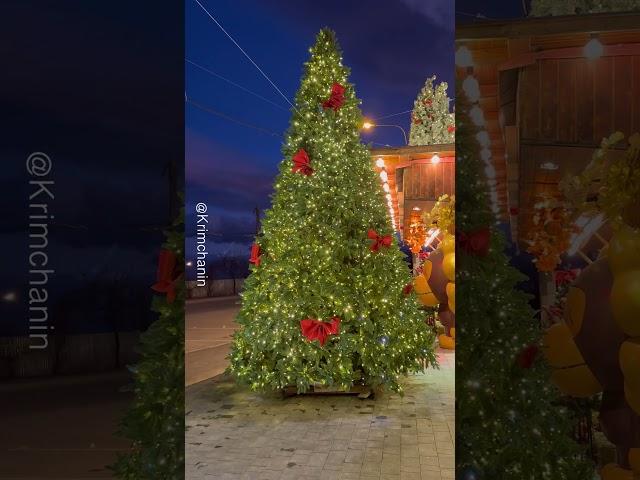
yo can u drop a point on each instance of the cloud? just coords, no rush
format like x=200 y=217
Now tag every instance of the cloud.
x=440 y=12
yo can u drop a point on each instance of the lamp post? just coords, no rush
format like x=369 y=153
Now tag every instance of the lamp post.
x=369 y=125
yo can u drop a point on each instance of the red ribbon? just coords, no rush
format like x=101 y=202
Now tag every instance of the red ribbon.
x=563 y=277
x=319 y=330
x=301 y=163
x=407 y=289
x=378 y=240
x=476 y=242
x=165 y=281
x=527 y=356
x=451 y=129
x=423 y=255
x=336 y=99
x=255 y=254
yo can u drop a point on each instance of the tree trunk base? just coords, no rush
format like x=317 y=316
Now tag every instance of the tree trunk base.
x=362 y=391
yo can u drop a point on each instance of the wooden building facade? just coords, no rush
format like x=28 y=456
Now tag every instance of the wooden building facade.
x=417 y=177
x=548 y=100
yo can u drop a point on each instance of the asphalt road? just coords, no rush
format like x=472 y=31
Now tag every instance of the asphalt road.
x=62 y=427
x=209 y=325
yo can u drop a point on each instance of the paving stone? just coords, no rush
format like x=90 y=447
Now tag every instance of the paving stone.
x=238 y=434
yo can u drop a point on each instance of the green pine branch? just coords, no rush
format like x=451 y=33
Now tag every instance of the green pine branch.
x=155 y=422
x=509 y=424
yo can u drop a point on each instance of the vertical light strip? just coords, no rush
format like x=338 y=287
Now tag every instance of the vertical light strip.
x=384 y=178
x=471 y=88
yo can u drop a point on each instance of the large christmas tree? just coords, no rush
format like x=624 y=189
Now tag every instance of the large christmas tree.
x=509 y=425
x=326 y=302
x=431 y=121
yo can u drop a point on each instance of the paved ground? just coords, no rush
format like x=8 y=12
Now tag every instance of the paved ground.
x=209 y=324
x=236 y=434
x=62 y=427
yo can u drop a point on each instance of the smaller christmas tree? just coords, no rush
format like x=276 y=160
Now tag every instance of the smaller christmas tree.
x=431 y=121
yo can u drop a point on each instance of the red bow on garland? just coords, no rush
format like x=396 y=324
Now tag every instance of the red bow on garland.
x=255 y=254
x=527 y=356
x=423 y=255
x=378 y=240
x=319 y=330
x=301 y=163
x=565 y=276
x=165 y=281
x=451 y=129
x=407 y=289
x=475 y=243
x=336 y=99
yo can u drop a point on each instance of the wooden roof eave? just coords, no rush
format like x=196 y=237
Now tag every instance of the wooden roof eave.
x=444 y=150
x=538 y=26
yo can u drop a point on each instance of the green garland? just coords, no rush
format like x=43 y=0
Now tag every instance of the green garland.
x=155 y=423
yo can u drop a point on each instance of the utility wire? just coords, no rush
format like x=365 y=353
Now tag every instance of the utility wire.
x=245 y=53
x=392 y=115
x=235 y=84
x=230 y=119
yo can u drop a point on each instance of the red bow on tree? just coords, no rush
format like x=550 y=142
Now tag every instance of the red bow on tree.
x=476 y=242
x=407 y=289
x=301 y=163
x=378 y=240
x=565 y=276
x=423 y=255
x=255 y=254
x=336 y=99
x=319 y=330
x=165 y=281
x=527 y=356
x=451 y=129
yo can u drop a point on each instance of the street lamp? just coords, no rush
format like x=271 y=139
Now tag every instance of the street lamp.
x=369 y=125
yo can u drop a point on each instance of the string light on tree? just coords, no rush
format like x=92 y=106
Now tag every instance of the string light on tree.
x=509 y=402
x=326 y=305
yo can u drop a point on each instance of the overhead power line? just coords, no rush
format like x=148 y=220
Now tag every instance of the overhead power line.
x=230 y=119
x=235 y=84
x=392 y=115
x=244 y=53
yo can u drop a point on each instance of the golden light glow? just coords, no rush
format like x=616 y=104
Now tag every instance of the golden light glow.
x=367 y=125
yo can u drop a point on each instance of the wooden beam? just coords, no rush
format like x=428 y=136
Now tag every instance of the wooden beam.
x=629 y=49
x=444 y=150
x=579 y=24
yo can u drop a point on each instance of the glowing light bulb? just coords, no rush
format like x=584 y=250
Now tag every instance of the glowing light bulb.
x=477 y=116
x=380 y=163
x=435 y=159
x=383 y=176
x=593 y=49
x=385 y=187
x=472 y=88
x=483 y=138
x=464 y=57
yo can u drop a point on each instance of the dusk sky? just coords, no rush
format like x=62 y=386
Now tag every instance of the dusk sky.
x=391 y=48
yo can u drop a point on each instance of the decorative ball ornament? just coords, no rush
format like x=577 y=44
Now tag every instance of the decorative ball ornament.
x=448 y=244
x=383 y=340
x=449 y=266
x=422 y=289
x=624 y=250
x=451 y=296
x=625 y=302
